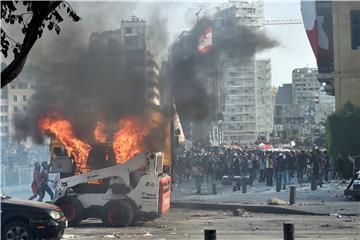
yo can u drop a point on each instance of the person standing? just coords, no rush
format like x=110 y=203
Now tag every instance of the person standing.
x=44 y=179
x=196 y=173
x=300 y=166
x=326 y=167
x=316 y=169
x=282 y=170
x=262 y=165
x=250 y=166
x=36 y=183
x=269 y=170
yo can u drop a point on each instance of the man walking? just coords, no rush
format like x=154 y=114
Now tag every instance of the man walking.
x=44 y=178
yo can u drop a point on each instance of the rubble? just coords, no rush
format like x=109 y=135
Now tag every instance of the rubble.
x=147 y=234
x=276 y=201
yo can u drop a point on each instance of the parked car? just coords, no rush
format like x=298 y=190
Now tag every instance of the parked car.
x=29 y=220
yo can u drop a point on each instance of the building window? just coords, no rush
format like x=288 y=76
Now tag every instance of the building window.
x=4 y=119
x=15 y=98
x=4 y=129
x=15 y=108
x=24 y=98
x=355 y=29
x=128 y=30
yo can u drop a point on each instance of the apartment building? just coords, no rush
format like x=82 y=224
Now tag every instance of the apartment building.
x=306 y=88
x=264 y=100
x=128 y=46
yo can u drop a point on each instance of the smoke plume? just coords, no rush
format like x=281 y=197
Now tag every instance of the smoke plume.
x=193 y=74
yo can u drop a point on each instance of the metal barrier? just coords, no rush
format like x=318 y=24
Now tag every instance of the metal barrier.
x=16 y=176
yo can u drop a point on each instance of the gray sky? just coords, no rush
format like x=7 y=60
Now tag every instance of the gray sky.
x=294 y=50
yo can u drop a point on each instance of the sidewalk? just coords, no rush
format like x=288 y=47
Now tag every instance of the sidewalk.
x=324 y=201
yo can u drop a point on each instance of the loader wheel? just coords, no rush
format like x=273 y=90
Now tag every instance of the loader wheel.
x=118 y=214
x=72 y=209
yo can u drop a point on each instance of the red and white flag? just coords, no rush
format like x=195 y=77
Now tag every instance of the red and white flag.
x=205 y=40
x=308 y=12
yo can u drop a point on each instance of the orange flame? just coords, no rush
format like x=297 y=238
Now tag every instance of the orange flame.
x=99 y=134
x=128 y=141
x=62 y=130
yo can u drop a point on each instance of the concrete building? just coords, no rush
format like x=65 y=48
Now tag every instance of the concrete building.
x=128 y=46
x=239 y=105
x=302 y=107
x=246 y=84
x=4 y=116
x=264 y=100
x=346 y=33
x=239 y=114
x=306 y=88
x=15 y=99
x=336 y=45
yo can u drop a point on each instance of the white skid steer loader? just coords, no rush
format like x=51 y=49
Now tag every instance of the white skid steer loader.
x=119 y=195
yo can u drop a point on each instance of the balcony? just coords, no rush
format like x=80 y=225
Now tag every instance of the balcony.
x=329 y=80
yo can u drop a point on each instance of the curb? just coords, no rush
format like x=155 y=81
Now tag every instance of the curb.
x=247 y=207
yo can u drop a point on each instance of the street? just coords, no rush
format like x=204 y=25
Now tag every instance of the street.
x=190 y=224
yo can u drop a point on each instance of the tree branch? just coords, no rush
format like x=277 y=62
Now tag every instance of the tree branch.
x=31 y=35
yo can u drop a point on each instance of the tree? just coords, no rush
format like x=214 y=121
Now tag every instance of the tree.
x=343 y=138
x=33 y=17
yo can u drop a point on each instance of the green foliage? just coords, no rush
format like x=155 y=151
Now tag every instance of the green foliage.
x=343 y=138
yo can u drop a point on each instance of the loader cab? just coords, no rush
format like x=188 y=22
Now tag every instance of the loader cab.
x=60 y=161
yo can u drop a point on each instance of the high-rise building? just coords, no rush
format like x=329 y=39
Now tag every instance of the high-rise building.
x=306 y=88
x=302 y=106
x=242 y=111
x=245 y=95
x=264 y=100
x=239 y=102
x=4 y=116
x=15 y=99
x=128 y=45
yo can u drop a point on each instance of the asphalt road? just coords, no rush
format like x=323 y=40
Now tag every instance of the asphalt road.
x=190 y=224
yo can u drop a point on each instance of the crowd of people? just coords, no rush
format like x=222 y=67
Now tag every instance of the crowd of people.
x=205 y=163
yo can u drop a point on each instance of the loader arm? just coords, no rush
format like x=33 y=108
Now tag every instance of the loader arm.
x=123 y=170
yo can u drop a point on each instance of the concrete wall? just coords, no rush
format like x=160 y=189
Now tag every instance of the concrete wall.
x=346 y=60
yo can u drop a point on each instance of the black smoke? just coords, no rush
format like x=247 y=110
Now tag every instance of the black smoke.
x=193 y=75
x=97 y=86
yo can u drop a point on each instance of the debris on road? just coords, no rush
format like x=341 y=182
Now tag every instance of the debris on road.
x=276 y=201
x=336 y=215
x=147 y=234
x=238 y=212
x=109 y=236
x=201 y=215
x=69 y=236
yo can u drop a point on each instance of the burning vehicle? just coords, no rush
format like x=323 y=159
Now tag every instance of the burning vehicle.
x=119 y=181
x=112 y=135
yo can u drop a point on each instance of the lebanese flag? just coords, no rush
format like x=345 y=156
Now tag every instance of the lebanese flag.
x=324 y=52
x=205 y=40
x=308 y=12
